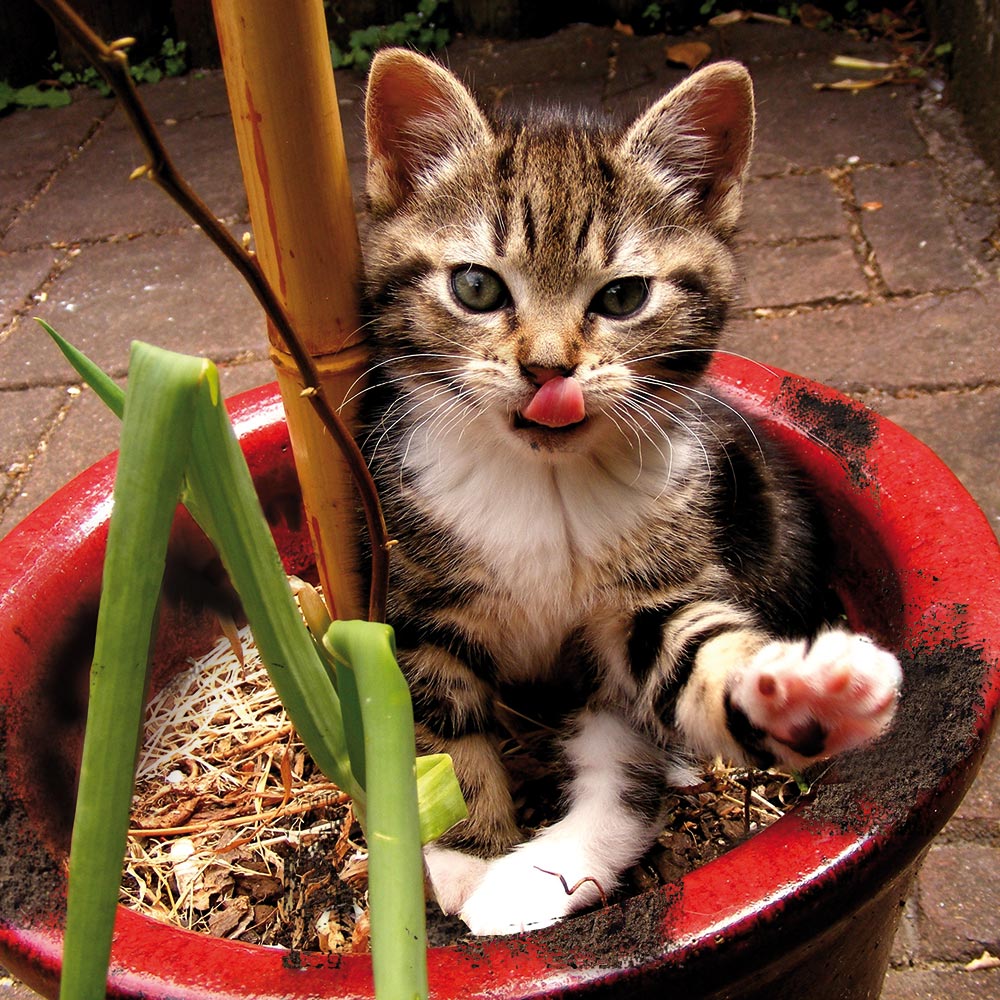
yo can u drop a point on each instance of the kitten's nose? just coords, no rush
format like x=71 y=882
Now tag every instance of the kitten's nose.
x=539 y=374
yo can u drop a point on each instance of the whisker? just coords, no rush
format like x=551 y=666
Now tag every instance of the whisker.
x=432 y=391
x=399 y=378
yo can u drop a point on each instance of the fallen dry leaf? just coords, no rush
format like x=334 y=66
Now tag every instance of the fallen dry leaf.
x=690 y=54
x=811 y=16
x=854 y=85
x=729 y=17
x=624 y=29
x=853 y=62
x=872 y=206
x=738 y=16
x=985 y=961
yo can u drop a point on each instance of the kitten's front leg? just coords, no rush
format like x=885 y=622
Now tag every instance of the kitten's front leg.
x=614 y=801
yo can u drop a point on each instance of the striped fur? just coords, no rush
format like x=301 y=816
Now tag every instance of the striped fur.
x=637 y=561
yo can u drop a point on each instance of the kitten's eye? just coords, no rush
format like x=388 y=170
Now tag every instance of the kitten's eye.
x=621 y=297
x=478 y=288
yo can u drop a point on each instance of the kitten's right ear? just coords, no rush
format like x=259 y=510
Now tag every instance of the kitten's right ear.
x=698 y=139
x=417 y=114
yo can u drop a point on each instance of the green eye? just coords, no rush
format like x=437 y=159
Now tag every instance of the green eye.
x=478 y=288
x=621 y=297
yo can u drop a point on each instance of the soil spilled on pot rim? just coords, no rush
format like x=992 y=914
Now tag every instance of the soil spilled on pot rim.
x=935 y=728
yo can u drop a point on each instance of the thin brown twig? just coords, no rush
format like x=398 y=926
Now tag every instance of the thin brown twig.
x=570 y=889
x=259 y=819
x=112 y=63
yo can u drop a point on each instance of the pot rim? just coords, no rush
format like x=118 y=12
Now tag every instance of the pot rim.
x=930 y=530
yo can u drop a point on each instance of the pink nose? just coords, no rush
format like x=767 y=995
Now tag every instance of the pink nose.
x=540 y=375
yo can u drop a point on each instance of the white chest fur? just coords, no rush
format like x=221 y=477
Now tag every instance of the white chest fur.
x=544 y=526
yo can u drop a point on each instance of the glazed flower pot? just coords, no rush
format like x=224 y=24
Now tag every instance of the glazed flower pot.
x=806 y=909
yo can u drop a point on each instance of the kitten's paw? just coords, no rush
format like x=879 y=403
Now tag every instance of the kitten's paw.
x=453 y=876
x=525 y=890
x=813 y=701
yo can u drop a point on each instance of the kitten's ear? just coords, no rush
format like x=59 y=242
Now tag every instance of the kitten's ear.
x=698 y=138
x=417 y=114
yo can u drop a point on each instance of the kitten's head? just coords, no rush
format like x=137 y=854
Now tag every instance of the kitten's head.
x=557 y=281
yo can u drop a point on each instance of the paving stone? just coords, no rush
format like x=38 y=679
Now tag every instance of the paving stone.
x=907 y=940
x=176 y=291
x=566 y=68
x=800 y=128
x=199 y=94
x=932 y=342
x=757 y=41
x=983 y=800
x=21 y=274
x=808 y=272
x=35 y=140
x=25 y=416
x=12 y=989
x=958 y=887
x=786 y=208
x=87 y=432
x=93 y=199
x=639 y=72
x=941 y=984
x=911 y=233
x=963 y=428
x=351 y=98
x=238 y=378
x=15 y=194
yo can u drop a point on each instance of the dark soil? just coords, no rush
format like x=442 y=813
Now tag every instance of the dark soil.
x=934 y=729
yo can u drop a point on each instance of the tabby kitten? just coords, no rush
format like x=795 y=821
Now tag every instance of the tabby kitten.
x=575 y=510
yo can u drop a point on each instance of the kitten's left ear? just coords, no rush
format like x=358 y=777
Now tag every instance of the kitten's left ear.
x=417 y=114
x=698 y=139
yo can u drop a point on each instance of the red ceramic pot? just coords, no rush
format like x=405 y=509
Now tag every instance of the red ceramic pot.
x=806 y=909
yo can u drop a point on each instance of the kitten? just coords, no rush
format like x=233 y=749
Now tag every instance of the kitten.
x=574 y=509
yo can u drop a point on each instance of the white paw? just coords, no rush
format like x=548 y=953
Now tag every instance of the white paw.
x=817 y=700
x=453 y=875
x=527 y=889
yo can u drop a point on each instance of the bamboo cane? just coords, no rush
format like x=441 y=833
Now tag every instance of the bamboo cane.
x=288 y=133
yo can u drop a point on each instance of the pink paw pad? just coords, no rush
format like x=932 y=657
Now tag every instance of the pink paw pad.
x=812 y=701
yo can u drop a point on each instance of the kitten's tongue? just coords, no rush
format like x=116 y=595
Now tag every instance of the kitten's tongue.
x=557 y=403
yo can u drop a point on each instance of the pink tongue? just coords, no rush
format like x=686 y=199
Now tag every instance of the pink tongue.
x=558 y=403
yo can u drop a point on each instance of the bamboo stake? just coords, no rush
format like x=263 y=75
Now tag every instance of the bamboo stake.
x=287 y=121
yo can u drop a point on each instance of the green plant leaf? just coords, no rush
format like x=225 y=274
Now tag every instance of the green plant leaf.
x=395 y=863
x=155 y=445
x=439 y=796
x=222 y=491
x=108 y=391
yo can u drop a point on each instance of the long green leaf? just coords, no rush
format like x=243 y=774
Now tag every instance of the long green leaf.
x=229 y=512
x=111 y=394
x=395 y=863
x=155 y=443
